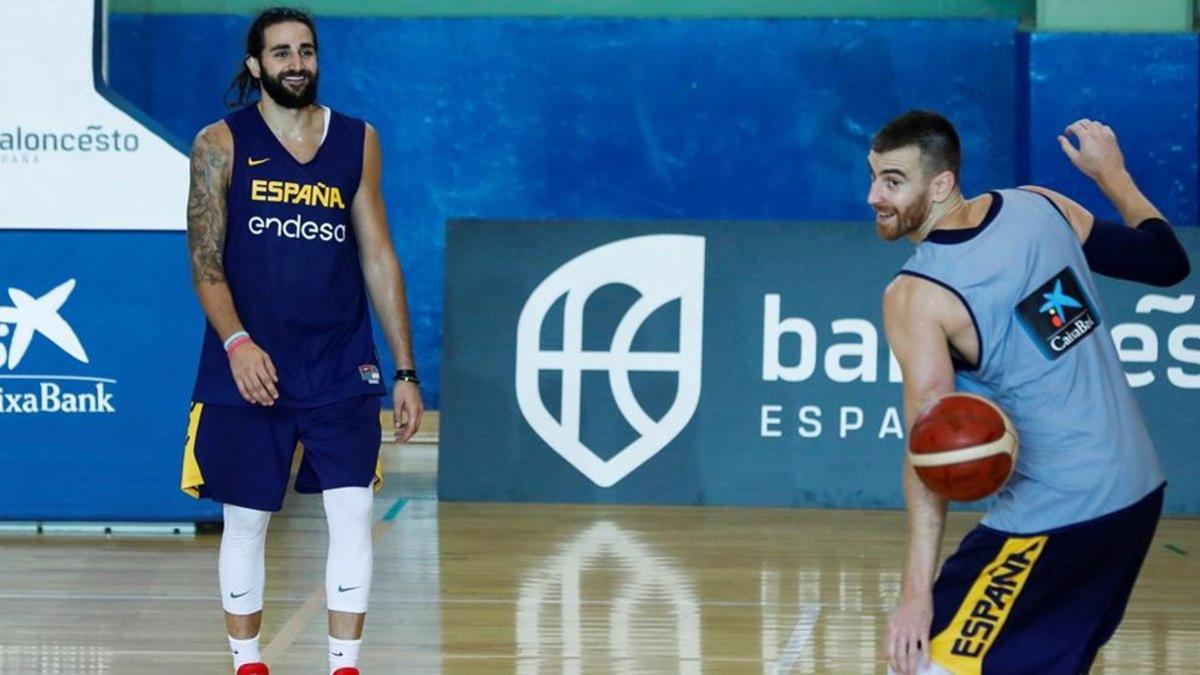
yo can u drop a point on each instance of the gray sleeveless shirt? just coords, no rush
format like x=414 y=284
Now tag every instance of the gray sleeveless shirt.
x=1046 y=357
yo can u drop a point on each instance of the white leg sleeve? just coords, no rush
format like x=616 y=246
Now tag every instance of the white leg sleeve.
x=351 y=556
x=241 y=566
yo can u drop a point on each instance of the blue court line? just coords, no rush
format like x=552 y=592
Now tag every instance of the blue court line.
x=395 y=510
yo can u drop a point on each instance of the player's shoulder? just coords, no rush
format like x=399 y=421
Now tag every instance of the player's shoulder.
x=370 y=133
x=904 y=292
x=371 y=143
x=1076 y=215
x=216 y=136
x=1069 y=208
x=913 y=297
x=1052 y=195
x=343 y=117
x=356 y=127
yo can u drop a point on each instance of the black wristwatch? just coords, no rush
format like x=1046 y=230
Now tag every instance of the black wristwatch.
x=407 y=376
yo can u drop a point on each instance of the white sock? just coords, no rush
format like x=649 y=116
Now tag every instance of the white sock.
x=342 y=653
x=244 y=651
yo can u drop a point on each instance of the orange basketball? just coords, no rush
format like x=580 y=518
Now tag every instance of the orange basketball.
x=963 y=447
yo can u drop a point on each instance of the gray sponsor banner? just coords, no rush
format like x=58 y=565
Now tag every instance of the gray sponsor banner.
x=717 y=363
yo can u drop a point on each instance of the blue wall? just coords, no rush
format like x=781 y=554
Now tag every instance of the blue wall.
x=1144 y=86
x=583 y=118
x=685 y=119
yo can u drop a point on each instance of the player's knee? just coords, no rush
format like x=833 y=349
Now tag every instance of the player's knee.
x=241 y=565
x=349 y=504
x=245 y=524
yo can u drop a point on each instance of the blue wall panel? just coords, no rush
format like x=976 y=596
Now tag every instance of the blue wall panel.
x=1144 y=87
x=587 y=118
x=130 y=304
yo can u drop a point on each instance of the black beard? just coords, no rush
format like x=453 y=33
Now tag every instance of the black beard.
x=284 y=96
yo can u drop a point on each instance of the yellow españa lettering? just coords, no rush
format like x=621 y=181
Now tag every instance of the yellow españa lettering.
x=964 y=643
x=289 y=192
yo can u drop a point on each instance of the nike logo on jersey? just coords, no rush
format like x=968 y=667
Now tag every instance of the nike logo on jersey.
x=250 y=161
x=235 y=596
x=338 y=654
x=348 y=588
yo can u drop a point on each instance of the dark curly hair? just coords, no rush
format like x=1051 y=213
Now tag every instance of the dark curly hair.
x=244 y=84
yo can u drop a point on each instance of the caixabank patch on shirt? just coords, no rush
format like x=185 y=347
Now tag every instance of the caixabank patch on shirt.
x=1058 y=315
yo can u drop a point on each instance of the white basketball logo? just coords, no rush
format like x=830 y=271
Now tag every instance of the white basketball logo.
x=663 y=269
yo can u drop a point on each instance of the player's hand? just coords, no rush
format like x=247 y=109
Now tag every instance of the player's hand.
x=1098 y=155
x=907 y=645
x=254 y=374
x=406 y=410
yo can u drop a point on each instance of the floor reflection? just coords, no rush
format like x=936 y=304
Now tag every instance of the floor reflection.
x=577 y=589
x=651 y=599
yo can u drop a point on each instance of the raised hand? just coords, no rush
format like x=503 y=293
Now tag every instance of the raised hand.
x=1098 y=155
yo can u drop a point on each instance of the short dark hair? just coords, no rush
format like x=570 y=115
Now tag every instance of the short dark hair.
x=244 y=84
x=933 y=134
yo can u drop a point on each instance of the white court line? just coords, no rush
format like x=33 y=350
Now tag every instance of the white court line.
x=800 y=637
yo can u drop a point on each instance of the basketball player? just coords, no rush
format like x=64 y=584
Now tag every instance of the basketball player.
x=998 y=299
x=288 y=235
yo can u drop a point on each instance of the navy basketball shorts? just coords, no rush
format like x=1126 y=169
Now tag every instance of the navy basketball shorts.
x=242 y=455
x=1039 y=603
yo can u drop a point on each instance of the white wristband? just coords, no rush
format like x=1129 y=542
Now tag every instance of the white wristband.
x=229 y=340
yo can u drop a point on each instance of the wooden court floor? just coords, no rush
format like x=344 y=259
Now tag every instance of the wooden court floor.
x=499 y=588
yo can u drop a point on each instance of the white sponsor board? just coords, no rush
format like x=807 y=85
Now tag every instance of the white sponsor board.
x=69 y=158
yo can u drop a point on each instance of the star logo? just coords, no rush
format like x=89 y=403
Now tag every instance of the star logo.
x=1056 y=301
x=38 y=316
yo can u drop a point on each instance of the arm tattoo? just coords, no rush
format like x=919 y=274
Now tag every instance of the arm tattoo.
x=206 y=210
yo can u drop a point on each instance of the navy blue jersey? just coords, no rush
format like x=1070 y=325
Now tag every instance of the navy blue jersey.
x=291 y=260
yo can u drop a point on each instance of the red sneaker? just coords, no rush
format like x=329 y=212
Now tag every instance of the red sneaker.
x=253 y=669
x=344 y=671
